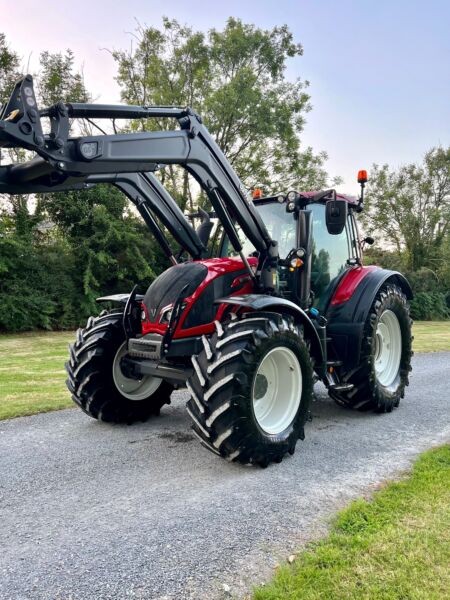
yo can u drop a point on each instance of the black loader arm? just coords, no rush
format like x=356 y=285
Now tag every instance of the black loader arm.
x=128 y=160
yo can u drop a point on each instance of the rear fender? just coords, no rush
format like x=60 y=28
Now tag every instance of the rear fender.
x=354 y=306
x=262 y=302
x=346 y=318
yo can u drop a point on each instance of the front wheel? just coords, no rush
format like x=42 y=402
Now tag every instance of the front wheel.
x=96 y=381
x=251 y=389
x=382 y=375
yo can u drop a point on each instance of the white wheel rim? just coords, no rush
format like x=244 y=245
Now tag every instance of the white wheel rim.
x=132 y=389
x=388 y=348
x=277 y=390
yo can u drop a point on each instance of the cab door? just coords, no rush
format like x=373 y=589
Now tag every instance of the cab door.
x=330 y=257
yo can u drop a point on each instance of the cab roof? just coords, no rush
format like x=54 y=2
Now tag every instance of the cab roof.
x=309 y=195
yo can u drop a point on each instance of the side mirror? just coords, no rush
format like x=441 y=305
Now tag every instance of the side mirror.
x=336 y=212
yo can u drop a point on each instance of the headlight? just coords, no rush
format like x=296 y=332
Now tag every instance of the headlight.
x=166 y=314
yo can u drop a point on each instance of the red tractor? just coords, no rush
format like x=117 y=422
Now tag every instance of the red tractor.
x=263 y=298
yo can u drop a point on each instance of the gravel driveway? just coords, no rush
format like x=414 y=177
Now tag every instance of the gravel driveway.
x=90 y=511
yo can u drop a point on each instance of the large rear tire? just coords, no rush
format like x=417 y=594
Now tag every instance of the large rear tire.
x=251 y=389
x=96 y=382
x=382 y=375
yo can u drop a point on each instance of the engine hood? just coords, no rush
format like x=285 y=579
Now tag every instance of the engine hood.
x=198 y=284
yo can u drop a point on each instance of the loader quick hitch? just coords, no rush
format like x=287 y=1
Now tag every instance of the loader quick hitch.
x=19 y=118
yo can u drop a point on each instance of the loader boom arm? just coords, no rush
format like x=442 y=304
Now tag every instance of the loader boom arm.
x=127 y=160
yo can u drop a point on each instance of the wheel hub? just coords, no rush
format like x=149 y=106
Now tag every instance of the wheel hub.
x=261 y=386
x=132 y=388
x=277 y=390
x=388 y=348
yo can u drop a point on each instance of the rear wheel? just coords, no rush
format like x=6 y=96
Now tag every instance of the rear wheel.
x=97 y=383
x=251 y=389
x=380 y=379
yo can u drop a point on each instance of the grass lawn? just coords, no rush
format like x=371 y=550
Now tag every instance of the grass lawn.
x=32 y=375
x=32 y=372
x=431 y=336
x=396 y=547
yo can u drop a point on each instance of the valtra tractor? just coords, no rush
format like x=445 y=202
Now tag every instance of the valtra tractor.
x=252 y=312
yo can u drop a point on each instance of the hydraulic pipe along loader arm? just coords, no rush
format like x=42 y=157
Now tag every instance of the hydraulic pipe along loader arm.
x=247 y=331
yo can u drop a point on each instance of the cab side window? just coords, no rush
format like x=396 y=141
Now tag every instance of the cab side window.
x=329 y=255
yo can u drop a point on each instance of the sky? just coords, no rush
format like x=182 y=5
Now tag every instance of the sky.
x=379 y=71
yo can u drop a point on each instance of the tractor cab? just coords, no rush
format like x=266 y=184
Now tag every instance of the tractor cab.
x=311 y=256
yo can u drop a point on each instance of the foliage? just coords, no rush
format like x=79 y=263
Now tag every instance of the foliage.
x=59 y=81
x=236 y=79
x=59 y=251
x=110 y=248
x=410 y=206
x=410 y=209
x=429 y=306
x=9 y=69
x=431 y=288
x=31 y=277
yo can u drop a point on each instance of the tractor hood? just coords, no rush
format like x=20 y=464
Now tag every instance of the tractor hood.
x=197 y=284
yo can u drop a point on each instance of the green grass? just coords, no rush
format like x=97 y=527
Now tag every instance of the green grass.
x=32 y=373
x=32 y=367
x=396 y=547
x=431 y=336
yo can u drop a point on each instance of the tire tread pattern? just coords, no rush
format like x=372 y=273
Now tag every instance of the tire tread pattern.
x=222 y=417
x=367 y=393
x=89 y=374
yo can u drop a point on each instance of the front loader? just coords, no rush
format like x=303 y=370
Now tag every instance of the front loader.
x=255 y=313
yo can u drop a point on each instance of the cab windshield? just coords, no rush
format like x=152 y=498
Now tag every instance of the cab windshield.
x=280 y=225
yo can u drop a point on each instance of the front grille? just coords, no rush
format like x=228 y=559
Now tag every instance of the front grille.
x=148 y=346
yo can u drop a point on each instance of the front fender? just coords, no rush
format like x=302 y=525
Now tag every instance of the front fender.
x=263 y=302
x=118 y=298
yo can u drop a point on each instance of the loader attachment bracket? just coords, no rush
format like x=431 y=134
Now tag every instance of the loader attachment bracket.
x=19 y=118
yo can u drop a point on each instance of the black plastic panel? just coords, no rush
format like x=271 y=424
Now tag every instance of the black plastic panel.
x=204 y=310
x=167 y=287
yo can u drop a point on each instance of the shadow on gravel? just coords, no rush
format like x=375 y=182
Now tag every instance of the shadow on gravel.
x=172 y=430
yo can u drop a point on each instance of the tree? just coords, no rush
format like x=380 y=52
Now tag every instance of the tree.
x=58 y=79
x=410 y=207
x=9 y=69
x=59 y=251
x=236 y=80
x=110 y=249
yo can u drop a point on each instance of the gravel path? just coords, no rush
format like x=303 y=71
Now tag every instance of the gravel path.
x=92 y=512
